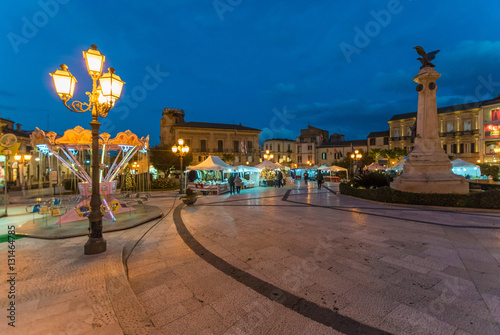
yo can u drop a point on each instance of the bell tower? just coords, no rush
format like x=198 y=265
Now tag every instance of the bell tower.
x=171 y=117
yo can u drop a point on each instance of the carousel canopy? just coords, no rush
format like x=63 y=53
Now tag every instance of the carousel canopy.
x=211 y=163
x=374 y=167
x=266 y=164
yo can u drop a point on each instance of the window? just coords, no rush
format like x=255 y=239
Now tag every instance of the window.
x=236 y=146
x=386 y=140
x=199 y=158
x=372 y=141
x=267 y=147
x=453 y=148
x=299 y=149
x=309 y=147
x=220 y=146
x=270 y=147
x=249 y=146
x=299 y=159
x=467 y=125
x=187 y=142
x=449 y=127
x=461 y=148
x=279 y=148
x=473 y=147
x=323 y=155
x=396 y=132
x=289 y=148
x=203 y=145
x=445 y=148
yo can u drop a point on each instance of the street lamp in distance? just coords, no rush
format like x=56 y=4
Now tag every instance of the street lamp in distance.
x=180 y=150
x=101 y=100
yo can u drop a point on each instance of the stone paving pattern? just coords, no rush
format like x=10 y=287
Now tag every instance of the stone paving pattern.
x=399 y=269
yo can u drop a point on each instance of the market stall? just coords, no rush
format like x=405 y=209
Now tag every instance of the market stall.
x=465 y=169
x=268 y=173
x=249 y=175
x=333 y=170
x=210 y=177
x=374 y=167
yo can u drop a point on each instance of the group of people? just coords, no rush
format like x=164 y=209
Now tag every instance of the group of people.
x=319 y=177
x=235 y=184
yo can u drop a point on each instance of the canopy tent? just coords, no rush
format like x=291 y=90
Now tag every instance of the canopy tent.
x=398 y=167
x=211 y=163
x=374 y=167
x=266 y=164
x=334 y=168
x=246 y=168
x=253 y=174
x=463 y=168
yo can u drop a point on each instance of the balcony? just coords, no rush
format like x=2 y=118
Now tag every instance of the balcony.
x=467 y=132
x=400 y=138
x=447 y=134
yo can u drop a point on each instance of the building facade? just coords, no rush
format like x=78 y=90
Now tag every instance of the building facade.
x=470 y=132
x=282 y=149
x=205 y=139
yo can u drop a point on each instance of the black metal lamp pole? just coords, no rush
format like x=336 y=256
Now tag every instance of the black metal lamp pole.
x=181 y=150
x=101 y=100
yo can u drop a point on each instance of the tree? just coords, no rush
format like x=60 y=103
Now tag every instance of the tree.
x=228 y=158
x=163 y=159
x=375 y=154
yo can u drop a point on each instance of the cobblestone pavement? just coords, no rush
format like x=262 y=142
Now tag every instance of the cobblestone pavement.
x=295 y=260
x=308 y=261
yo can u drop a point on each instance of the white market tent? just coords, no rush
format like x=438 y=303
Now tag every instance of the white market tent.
x=398 y=167
x=374 y=167
x=266 y=164
x=463 y=168
x=335 y=168
x=253 y=172
x=211 y=163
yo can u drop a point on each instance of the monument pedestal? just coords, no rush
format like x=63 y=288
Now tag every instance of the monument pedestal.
x=428 y=168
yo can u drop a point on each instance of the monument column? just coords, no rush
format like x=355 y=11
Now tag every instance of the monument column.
x=428 y=168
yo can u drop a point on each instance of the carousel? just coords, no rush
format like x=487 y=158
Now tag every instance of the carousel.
x=73 y=150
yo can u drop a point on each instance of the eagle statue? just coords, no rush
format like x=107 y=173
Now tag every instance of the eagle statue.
x=426 y=57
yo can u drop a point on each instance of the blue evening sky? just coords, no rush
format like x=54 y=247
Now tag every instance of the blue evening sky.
x=344 y=66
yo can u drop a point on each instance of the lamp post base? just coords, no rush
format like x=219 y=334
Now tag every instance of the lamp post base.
x=95 y=245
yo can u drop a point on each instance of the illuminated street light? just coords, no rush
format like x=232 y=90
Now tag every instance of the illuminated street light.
x=101 y=100
x=180 y=150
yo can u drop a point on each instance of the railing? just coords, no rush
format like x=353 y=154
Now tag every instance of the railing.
x=400 y=138
x=447 y=134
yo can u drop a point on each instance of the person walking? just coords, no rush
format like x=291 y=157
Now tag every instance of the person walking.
x=280 y=179
x=230 y=181
x=319 y=178
x=238 y=183
x=306 y=176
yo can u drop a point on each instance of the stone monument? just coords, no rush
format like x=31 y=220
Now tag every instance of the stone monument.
x=427 y=168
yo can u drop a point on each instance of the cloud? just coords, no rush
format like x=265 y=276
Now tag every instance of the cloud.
x=6 y=94
x=399 y=82
x=468 y=66
x=282 y=89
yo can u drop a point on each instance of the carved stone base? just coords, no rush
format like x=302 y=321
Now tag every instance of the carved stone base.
x=429 y=172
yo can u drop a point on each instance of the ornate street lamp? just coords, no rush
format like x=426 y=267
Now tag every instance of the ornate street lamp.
x=180 y=150
x=101 y=100
x=356 y=156
x=268 y=155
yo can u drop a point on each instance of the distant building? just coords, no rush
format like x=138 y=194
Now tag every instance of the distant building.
x=330 y=153
x=469 y=131
x=378 y=140
x=206 y=139
x=282 y=149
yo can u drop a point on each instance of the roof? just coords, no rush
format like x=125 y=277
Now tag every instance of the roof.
x=211 y=163
x=379 y=133
x=279 y=139
x=451 y=109
x=18 y=133
x=214 y=126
